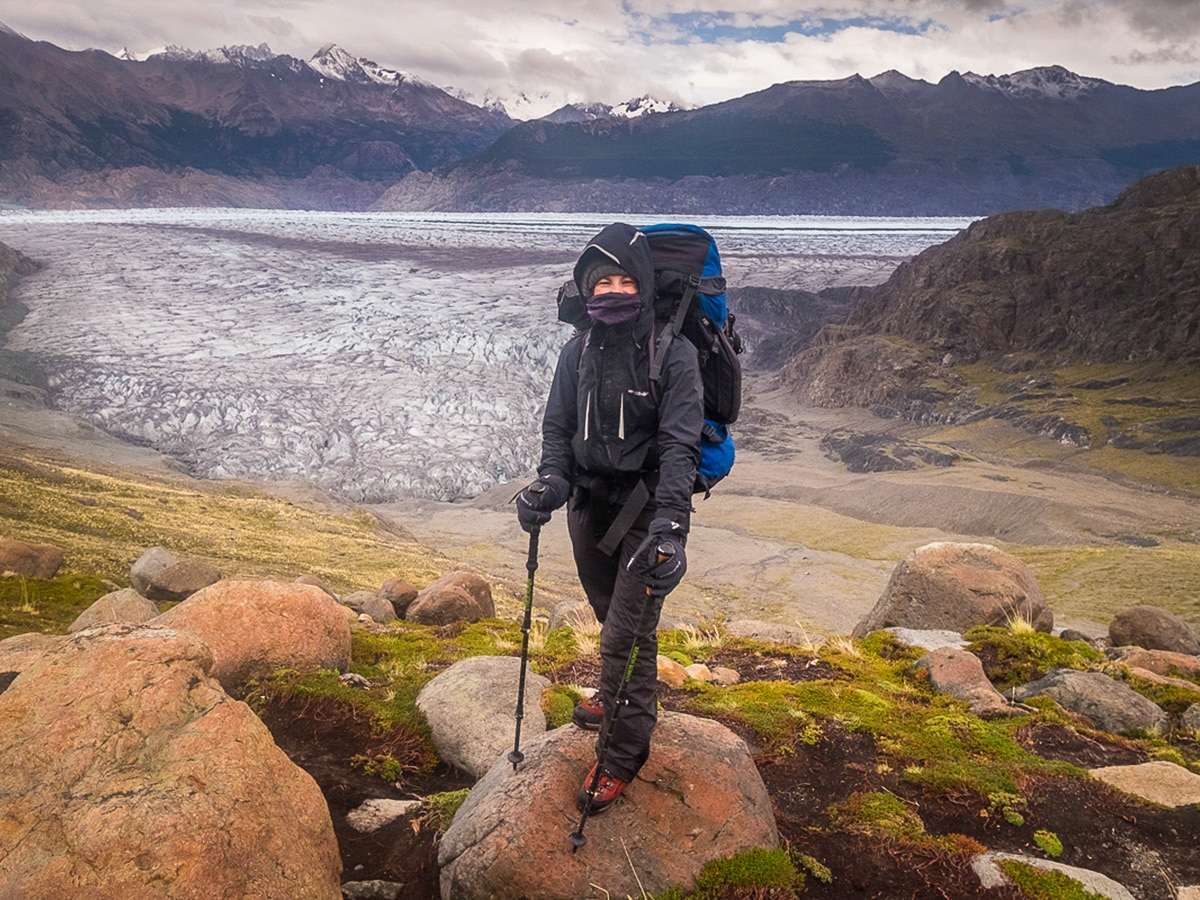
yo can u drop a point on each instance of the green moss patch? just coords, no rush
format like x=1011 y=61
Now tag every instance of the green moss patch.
x=752 y=875
x=48 y=607
x=1045 y=884
x=1012 y=659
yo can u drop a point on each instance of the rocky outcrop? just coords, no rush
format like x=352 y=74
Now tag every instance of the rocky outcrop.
x=1111 y=705
x=455 y=597
x=954 y=587
x=699 y=788
x=123 y=607
x=127 y=772
x=29 y=560
x=1109 y=284
x=876 y=452
x=1160 y=662
x=256 y=627
x=471 y=710
x=1153 y=628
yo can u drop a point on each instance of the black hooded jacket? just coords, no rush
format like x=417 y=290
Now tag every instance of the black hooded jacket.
x=602 y=418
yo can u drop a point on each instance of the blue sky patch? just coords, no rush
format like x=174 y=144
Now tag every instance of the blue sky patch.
x=720 y=29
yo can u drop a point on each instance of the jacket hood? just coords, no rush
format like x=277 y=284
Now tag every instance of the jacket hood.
x=628 y=248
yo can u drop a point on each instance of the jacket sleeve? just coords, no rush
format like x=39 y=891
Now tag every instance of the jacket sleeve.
x=561 y=417
x=681 y=417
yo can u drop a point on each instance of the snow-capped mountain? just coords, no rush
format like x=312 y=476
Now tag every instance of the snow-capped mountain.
x=630 y=109
x=332 y=61
x=1045 y=81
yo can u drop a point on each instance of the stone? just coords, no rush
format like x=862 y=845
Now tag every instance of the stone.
x=1158 y=781
x=380 y=609
x=698 y=672
x=376 y=889
x=400 y=594
x=573 y=614
x=671 y=673
x=699 y=788
x=127 y=772
x=769 y=632
x=1189 y=719
x=181 y=580
x=1074 y=634
x=148 y=565
x=256 y=627
x=123 y=607
x=725 y=676
x=1161 y=662
x=1155 y=629
x=953 y=586
x=1108 y=703
x=960 y=674
x=1190 y=892
x=372 y=815
x=29 y=560
x=991 y=875
x=455 y=597
x=471 y=710
x=929 y=639
x=356 y=600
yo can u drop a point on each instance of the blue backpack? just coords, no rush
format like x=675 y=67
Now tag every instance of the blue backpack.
x=689 y=300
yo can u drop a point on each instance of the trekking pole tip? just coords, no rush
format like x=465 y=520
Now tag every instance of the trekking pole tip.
x=577 y=840
x=516 y=757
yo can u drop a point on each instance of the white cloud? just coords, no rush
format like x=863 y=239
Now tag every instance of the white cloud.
x=694 y=51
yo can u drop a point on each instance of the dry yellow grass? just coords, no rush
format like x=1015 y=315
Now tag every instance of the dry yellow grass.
x=105 y=520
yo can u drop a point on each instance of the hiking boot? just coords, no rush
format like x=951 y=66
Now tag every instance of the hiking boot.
x=590 y=713
x=607 y=792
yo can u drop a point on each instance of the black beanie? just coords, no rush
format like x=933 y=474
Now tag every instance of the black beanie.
x=602 y=268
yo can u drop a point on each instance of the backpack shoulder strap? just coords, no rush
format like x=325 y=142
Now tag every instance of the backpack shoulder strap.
x=664 y=341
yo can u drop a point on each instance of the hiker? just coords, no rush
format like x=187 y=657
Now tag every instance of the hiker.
x=623 y=458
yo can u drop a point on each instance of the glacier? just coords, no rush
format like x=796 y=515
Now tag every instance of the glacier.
x=375 y=356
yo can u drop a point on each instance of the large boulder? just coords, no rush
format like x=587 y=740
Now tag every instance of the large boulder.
x=256 y=627
x=698 y=798
x=471 y=710
x=180 y=580
x=123 y=607
x=455 y=597
x=20 y=651
x=1153 y=628
x=954 y=587
x=29 y=560
x=125 y=771
x=149 y=564
x=400 y=594
x=1111 y=705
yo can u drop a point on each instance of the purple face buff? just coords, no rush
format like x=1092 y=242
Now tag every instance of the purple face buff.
x=614 y=308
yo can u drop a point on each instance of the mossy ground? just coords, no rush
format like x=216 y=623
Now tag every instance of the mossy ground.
x=876 y=778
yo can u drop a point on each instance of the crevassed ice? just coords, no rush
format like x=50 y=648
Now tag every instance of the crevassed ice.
x=376 y=356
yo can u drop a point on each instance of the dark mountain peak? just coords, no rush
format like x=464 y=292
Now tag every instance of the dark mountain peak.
x=893 y=82
x=1055 y=82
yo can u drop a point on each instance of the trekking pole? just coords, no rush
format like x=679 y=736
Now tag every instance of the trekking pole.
x=516 y=757
x=577 y=839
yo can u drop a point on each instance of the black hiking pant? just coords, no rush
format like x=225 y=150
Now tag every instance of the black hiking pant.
x=617 y=594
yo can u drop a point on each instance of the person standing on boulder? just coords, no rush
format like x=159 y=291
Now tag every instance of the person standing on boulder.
x=624 y=454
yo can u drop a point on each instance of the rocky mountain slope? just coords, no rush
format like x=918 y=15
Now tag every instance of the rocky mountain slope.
x=242 y=116
x=1078 y=326
x=884 y=145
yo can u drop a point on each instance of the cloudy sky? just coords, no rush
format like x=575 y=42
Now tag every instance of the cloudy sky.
x=690 y=51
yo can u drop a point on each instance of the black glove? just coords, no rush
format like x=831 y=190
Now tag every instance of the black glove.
x=668 y=562
x=536 y=501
